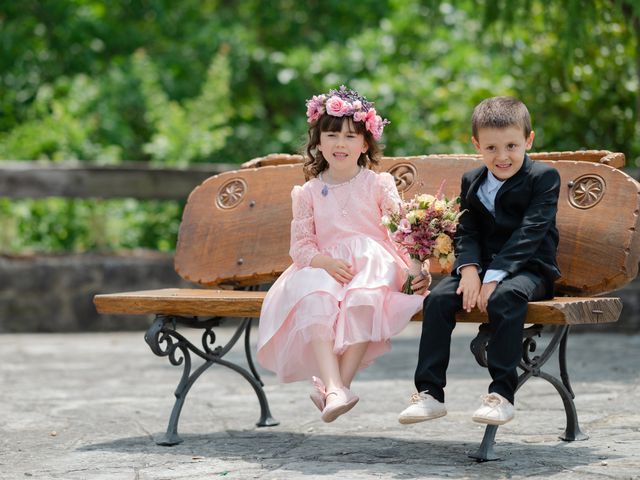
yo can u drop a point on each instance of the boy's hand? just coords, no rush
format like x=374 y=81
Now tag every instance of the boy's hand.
x=485 y=293
x=421 y=283
x=339 y=269
x=469 y=286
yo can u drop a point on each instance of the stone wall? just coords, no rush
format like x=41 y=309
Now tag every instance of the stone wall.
x=55 y=293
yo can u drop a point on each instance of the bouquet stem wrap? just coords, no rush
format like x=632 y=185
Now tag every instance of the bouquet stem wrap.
x=415 y=269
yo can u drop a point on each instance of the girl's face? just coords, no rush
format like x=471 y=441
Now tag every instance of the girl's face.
x=342 y=149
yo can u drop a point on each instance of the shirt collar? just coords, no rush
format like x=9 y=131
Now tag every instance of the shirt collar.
x=492 y=181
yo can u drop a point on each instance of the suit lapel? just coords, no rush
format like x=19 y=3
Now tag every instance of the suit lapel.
x=472 y=194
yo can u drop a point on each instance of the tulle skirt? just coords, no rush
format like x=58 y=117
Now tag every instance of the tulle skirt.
x=307 y=303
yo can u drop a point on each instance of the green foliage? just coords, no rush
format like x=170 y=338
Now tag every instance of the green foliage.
x=175 y=83
x=83 y=225
x=193 y=132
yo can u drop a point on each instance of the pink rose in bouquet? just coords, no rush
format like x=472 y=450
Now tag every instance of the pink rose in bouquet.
x=424 y=227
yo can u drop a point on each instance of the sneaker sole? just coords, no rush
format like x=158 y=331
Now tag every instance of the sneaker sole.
x=490 y=421
x=406 y=420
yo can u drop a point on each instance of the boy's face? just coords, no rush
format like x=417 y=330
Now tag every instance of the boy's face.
x=502 y=149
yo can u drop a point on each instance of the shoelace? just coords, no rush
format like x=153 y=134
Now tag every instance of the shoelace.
x=416 y=397
x=491 y=400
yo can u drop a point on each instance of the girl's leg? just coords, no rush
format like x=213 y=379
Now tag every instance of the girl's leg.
x=327 y=363
x=350 y=361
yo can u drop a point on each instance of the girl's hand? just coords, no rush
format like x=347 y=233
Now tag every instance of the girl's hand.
x=421 y=283
x=339 y=269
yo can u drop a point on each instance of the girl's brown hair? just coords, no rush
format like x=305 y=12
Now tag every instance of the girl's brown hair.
x=315 y=163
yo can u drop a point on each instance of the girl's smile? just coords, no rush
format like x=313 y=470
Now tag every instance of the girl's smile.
x=342 y=149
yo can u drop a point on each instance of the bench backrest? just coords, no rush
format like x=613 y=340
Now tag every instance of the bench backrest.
x=236 y=225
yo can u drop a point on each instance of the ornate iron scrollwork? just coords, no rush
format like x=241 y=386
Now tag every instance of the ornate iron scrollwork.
x=165 y=341
x=586 y=191
x=231 y=193
x=404 y=174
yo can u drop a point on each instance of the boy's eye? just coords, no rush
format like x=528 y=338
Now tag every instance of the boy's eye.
x=511 y=146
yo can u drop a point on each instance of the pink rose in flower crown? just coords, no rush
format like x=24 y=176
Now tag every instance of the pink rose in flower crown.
x=337 y=107
x=371 y=115
x=315 y=108
x=374 y=123
x=377 y=128
x=359 y=116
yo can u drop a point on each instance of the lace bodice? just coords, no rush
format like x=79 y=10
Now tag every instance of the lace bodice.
x=344 y=211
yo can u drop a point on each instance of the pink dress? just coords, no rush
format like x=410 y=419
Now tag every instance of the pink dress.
x=306 y=302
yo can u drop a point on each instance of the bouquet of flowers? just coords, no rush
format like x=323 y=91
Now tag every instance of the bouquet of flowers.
x=424 y=226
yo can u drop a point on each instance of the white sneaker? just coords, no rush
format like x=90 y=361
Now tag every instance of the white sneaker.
x=423 y=407
x=495 y=410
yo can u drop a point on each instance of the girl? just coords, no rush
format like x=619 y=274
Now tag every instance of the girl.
x=334 y=310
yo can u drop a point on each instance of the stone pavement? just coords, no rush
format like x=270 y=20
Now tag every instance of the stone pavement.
x=87 y=406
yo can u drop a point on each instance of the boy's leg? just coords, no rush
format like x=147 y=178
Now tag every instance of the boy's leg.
x=507 y=309
x=438 y=322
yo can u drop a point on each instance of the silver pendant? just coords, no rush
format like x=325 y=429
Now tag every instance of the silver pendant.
x=325 y=191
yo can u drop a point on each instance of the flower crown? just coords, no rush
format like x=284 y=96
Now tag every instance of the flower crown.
x=344 y=102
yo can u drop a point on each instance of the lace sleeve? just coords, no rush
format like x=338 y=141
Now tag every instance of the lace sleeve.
x=303 y=231
x=389 y=197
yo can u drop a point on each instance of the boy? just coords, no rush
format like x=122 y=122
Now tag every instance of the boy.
x=505 y=257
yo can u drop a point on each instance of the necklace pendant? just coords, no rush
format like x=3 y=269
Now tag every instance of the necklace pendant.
x=344 y=213
x=325 y=191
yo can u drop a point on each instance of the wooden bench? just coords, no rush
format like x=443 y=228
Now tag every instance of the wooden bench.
x=234 y=237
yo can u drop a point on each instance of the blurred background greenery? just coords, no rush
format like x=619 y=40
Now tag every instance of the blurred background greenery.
x=175 y=83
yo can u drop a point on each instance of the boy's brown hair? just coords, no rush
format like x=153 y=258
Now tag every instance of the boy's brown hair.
x=500 y=112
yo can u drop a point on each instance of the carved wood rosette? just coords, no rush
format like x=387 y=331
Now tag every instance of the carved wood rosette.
x=586 y=191
x=404 y=174
x=231 y=193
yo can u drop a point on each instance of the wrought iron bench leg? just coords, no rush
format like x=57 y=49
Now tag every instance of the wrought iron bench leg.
x=164 y=340
x=531 y=368
x=572 y=432
x=478 y=346
x=485 y=452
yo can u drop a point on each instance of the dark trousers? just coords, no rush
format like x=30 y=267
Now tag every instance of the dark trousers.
x=507 y=310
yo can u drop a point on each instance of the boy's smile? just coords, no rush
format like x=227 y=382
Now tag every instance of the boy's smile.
x=503 y=149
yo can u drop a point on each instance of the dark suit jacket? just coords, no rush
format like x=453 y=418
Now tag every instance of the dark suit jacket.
x=523 y=234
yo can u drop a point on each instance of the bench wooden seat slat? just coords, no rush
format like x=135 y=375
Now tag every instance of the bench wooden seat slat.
x=241 y=303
